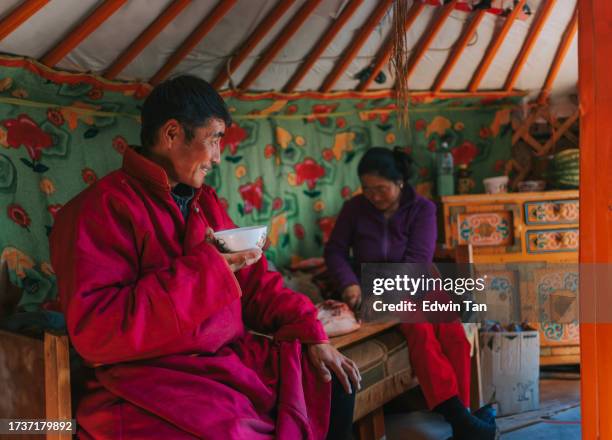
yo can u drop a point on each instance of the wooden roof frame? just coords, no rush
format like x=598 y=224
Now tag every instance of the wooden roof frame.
x=268 y=22
x=19 y=15
x=281 y=40
x=458 y=49
x=529 y=43
x=82 y=31
x=568 y=36
x=384 y=54
x=203 y=28
x=355 y=45
x=429 y=36
x=493 y=48
x=322 y=44
x=145 y=38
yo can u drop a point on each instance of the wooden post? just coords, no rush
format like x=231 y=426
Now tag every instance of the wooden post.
x=595 y=90
x=19 y=15
x=288 y=31
x=82 y=31
x=146 y=37
x=205 y=26
x=333 y=30
x=57 y=382
x=265 y=26
x=372 y=426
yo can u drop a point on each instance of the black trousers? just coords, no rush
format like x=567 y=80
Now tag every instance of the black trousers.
x=341 y=416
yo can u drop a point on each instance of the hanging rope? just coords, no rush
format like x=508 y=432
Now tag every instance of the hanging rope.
x=400 y=55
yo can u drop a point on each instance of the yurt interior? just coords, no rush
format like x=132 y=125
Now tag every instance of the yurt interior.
x=493 y=112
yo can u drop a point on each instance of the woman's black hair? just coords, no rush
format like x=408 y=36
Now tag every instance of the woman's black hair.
x=188 y=99
x=394 y=165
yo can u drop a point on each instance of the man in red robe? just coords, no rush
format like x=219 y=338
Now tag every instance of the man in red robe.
x=161 y=315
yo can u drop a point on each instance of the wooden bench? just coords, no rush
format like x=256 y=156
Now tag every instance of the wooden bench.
x=35 y=379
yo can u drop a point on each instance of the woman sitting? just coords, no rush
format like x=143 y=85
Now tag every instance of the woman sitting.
x=390 y=223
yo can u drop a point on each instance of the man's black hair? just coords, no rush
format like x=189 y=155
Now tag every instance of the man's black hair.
x=188 y=99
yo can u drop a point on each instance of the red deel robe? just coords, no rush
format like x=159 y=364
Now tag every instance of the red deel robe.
x=162 y=316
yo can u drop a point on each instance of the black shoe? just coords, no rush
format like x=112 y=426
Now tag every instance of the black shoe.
x=465 y=425
x=486 y=413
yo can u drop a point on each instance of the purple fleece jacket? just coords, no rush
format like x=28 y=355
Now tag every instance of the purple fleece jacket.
x=408 y=236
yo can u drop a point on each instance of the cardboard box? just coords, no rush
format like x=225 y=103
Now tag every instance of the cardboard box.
x=510 y=368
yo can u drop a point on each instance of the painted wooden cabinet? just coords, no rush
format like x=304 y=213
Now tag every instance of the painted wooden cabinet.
x=506 y=230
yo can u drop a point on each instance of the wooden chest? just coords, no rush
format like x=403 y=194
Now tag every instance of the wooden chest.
x=539 y=228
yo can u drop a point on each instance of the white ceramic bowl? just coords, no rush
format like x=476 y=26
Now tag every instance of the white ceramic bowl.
x=241 y=239
x=496 y=185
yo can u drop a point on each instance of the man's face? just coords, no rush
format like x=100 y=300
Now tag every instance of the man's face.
x=189 y=162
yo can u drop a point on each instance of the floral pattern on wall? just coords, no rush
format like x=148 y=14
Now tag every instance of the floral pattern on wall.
x=288 y=161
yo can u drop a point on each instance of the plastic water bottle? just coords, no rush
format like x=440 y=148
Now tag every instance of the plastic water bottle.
x=445 y=171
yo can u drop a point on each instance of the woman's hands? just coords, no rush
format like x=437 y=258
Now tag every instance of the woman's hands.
x=351 y=295
x=235 y=260
x=325 y=357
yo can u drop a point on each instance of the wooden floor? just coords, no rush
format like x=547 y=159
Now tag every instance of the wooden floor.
x=559 y=392
x=558 y=417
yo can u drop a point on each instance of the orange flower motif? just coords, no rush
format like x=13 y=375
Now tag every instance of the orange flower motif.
x=3 y=140
x=240 y=171
x=73 y=115
x=16 y=261
x=46 y=186
x=6 y=83
x=20 y=93
x=47 y=269
x=318 y=206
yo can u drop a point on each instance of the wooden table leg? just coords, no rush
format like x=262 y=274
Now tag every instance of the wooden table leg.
x=372 y=426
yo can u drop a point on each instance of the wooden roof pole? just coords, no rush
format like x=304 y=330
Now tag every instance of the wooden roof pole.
x=564 y=46
x=82 y=31
x=354 y=46
x=458 y=50
x=252 y=41
x=494 y=47
x=145 y=38
x=273 y=49
x=205 y=26
x=384 y=54
x=529 y=43
x=19 y=15
x=322 y=44
x=429 y=36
